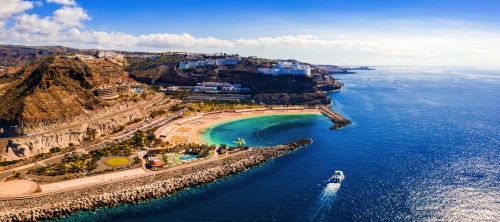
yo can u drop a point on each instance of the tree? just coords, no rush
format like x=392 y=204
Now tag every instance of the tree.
x=138 y=137
x=91 y=133
x=55 y=149
x=240 y=141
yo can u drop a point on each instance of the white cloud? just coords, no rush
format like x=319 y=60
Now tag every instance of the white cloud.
x=63 y=2
x=185 y=40
x=11 y=7
x=32 y=23
x=70 y=16
x=64 y=18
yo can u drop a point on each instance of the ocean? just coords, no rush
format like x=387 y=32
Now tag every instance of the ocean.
x=424 y=146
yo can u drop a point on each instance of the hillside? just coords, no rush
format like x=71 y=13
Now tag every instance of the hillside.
x=166 y=73
x=54 y=90
x=22 y=56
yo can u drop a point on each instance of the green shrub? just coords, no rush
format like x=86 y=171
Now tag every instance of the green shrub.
x=55 y=149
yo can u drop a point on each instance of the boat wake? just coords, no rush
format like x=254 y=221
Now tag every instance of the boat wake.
x=324 y=202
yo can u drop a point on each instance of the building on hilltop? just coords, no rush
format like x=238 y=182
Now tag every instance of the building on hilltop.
x=227 y=61
x=284 y=68
x=188 y=65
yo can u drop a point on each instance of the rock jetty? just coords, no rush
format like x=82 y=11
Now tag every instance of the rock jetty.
x=155 y=185
x=338 y=120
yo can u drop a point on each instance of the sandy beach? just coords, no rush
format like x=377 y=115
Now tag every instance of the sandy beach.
x=189 y=130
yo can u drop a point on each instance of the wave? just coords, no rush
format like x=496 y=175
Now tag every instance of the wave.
x=325 y=201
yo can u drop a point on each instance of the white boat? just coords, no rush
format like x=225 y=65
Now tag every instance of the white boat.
x=338 y=176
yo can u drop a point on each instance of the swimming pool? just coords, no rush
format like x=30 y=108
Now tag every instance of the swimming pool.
x=187 y=157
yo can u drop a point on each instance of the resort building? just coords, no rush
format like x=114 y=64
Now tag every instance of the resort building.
x=188 y=65
x=111 y=92
x=107 y=92
x=215 y=84
x=284 y=68
x=227 y=61
x=208 y=62
x=224 y=87
x=234 y=89
x=204 y=88
x=216 y=98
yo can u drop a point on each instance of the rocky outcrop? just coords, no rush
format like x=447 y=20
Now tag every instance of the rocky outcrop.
x=156 y=185
x=338 y=120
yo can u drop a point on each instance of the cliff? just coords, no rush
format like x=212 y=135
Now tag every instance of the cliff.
x=22 y=147
x=55 y=90
x=159 y=184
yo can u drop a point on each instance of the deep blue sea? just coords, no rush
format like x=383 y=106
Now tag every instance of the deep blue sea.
x=424 y=146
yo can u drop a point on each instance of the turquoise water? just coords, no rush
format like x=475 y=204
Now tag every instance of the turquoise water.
x=260 y=131
x=187 y=157
x=424 y=145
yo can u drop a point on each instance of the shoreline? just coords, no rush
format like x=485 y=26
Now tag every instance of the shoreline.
x=194 y=127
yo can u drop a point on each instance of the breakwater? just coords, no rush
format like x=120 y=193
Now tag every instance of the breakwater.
x=159 y=184
x=338 y=120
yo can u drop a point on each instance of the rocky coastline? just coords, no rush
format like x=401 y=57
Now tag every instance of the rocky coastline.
x=154 y=185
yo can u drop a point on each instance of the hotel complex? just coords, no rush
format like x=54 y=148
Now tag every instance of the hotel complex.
x=283 y=68
x=194 y=64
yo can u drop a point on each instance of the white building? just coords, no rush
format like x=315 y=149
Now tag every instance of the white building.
x=227 y=61
x=283 y=68
x=188 y=65
x=204 y=88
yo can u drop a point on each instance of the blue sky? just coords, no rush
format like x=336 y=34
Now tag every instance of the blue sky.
x=323 y=32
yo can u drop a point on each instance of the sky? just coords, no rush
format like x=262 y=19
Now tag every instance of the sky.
x=337 y=32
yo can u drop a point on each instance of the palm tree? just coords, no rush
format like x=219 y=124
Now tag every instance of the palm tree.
x=240 y=141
